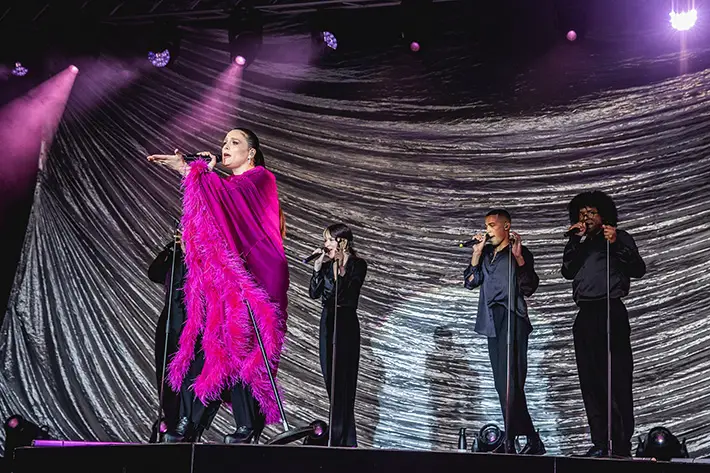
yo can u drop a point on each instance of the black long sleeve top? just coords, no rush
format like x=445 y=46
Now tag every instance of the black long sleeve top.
x=584 y=262
x=491 y=274
x=323 y=283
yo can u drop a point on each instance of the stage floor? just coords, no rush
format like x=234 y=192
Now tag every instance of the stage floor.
x=215 y=458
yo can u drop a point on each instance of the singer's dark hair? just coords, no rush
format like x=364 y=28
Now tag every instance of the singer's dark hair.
x=500 y=213
x=340 y=231
x=253 y=142
x=597 y=199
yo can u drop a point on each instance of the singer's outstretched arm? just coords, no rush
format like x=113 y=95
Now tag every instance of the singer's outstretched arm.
x=631 y=262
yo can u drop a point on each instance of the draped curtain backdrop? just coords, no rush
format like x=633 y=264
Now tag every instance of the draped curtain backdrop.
x=410 y=151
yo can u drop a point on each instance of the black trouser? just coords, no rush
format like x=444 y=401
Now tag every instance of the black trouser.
x=520 y=422
x=244 y=407
x=347 y=359
x=590 y=347
x=171 y=401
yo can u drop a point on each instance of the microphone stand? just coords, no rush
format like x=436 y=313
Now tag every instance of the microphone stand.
x=316 y=429
x=332 y=363
x=608 y=348
x=167 y=330
x=509 y=344
x=284 y=422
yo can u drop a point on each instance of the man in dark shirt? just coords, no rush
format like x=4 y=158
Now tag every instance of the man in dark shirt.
x=493 y=270
x=594 y=217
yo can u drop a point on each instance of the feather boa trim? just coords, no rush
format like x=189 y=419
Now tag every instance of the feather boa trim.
x=216 y=288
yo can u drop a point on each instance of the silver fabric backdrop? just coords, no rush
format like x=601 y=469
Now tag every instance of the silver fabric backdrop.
x=410 y=152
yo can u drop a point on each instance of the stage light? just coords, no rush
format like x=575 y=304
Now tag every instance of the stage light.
x=19 y=70
x=316 y=433
x=489 y=439
x=74 y=69
x=571 y=18
x=21 y=54
x=159 y=59
x=684 y=20
x=245 y=36
x=329 y=39
x=662 y=445
x=324 y=42
x=20 y=432
x=326 y=28
x=416 y=16
x=164 y=45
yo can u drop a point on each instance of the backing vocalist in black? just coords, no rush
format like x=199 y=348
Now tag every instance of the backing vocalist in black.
x=338 y=246
x=489 y=270
x=175 y=403
x=593 y=216
x=160 y=272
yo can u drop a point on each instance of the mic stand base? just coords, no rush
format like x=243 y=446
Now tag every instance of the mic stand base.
x=288 y=435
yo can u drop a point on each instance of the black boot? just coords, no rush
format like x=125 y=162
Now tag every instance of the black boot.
x=534 y=446
x=596 y=451
x=507 y=446
x=243 y=434
x=183 y=432
x=510 y=446
x=156 y=435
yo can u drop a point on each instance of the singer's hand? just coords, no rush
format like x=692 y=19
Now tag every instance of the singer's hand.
x=517 y=247
x=581 y=227
x=609 y=233
x=319 y=261
x=478 y=248
x=179 y=241
x=213 y=159
x=174 y=161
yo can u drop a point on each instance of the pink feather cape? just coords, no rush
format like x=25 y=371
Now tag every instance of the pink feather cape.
x=234 y=253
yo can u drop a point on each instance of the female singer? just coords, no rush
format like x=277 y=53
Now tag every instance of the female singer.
x=232 y=231
x=350 y=273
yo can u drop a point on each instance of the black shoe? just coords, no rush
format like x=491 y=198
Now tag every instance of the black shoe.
x=596 y=452
x=243 y=434
x=507 y=446
x=156 y=435
x=534 y=446
x=183 y=432
x=620 y=454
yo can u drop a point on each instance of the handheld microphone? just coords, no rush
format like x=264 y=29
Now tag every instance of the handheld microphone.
x=471 y=243
x=571 y=232
x=315 y=255
x=198 y=157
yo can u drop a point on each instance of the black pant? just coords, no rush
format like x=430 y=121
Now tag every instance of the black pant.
x=590 y=347
x=245 y=408
x=347 y=359
x=520 y=422
x=171 y=401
